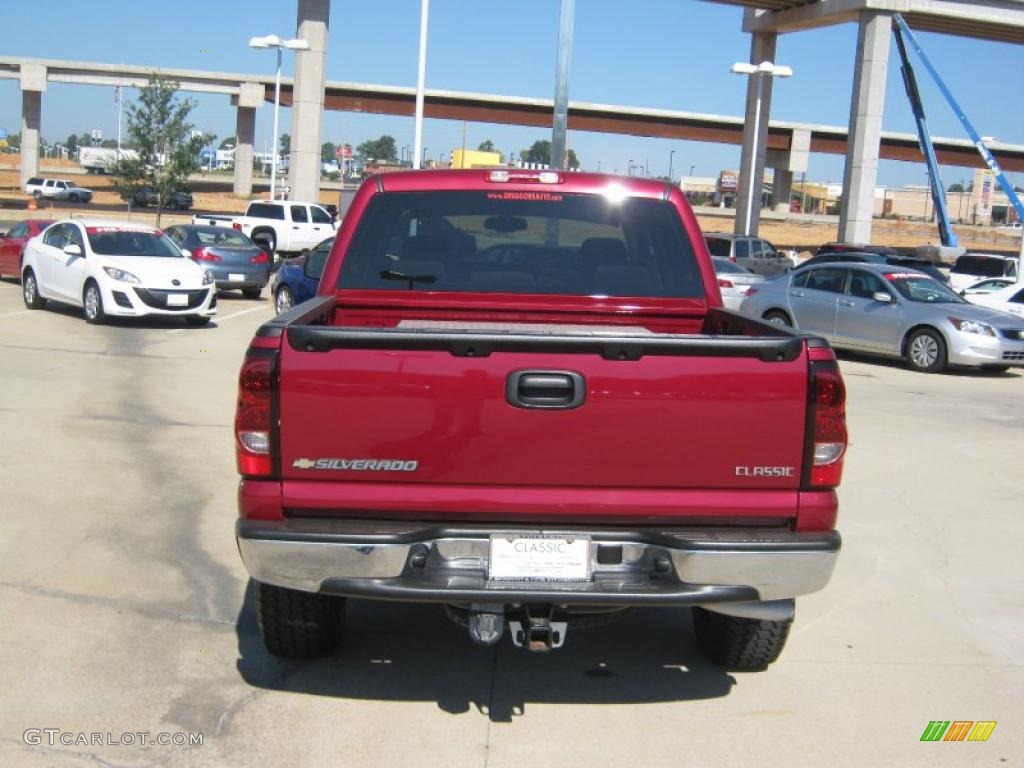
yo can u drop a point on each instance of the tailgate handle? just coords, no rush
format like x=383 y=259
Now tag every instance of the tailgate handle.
x=545 y=389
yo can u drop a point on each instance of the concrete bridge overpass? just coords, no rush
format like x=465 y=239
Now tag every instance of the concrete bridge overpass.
x=784 y=146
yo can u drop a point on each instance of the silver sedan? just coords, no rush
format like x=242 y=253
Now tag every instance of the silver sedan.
x=889 y=310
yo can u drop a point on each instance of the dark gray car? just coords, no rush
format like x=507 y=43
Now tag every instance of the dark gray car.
x=235 y=260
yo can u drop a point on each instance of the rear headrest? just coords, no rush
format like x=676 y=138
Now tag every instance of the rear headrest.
x=601 y=252
x=423 y=248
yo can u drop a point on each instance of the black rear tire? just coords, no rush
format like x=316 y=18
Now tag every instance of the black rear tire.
x=198 y=320
x=252 y=293
x=738 y=643
x=299 y=625
x=777 y=317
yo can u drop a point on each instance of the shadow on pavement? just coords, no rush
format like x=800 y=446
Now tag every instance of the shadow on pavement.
x=896 y=363
x=411 y=652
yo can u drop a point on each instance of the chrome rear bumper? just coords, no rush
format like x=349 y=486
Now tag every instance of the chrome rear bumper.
x=421 y=562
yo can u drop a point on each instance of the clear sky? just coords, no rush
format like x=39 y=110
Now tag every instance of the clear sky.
x=670 y=54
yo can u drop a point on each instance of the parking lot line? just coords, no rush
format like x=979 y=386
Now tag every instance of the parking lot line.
x=219 y=319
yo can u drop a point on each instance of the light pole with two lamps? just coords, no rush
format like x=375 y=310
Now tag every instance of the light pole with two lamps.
x=273 y=41
x=758 y=71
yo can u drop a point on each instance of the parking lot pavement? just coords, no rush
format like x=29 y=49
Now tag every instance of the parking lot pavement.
x=125 y=608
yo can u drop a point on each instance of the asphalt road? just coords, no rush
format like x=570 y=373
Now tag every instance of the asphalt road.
x=124 y=607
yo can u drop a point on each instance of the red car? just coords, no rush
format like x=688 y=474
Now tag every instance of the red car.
x=13 y=243
x=517 y=395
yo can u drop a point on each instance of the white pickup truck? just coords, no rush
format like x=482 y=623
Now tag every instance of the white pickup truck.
x=57 y=189
x=280 y=226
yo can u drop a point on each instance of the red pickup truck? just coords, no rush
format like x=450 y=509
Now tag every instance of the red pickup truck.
x=517 y=395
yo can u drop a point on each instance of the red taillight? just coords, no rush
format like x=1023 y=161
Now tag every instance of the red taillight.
x=723 y=283
x=828 y=410
x=236 y=225
x=253 y=422
x=201 y=254
x=260 y=258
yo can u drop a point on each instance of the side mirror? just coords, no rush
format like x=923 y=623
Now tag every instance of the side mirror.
x=883 y=297
x=73 y=249
x=309 y=269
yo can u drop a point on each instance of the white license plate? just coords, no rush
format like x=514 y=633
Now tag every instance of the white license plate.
x=539 y=558
x=235 y=277
x=177 y=300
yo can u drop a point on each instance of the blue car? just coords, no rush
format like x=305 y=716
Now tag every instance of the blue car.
x=297 y=279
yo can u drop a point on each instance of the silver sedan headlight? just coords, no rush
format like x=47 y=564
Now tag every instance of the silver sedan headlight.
x=120 y=274
x=208 y=277
x=972 y=326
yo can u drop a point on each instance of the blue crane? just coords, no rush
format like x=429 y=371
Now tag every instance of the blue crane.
x=946 y=234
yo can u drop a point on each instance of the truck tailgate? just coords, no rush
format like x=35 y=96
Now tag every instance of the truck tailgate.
x=655 y=412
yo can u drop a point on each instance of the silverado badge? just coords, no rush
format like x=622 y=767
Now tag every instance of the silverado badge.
x=358 y=465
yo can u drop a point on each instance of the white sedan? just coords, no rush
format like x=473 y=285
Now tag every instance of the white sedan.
x=115 y=269
x=1009 y=299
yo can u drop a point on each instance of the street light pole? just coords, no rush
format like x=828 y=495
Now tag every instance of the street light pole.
x=273 y=41
x=671 y=155
x=758 y=71
x=420 y=85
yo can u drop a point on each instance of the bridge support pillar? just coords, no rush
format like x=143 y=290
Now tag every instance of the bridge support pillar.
x=785 y=163
x=865 y=134
x=249 y=98
x=33 y=83
x=312 y=24
x=762 y=48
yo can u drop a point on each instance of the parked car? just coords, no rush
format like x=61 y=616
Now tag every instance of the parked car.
x=180 y=200
x=874 y=257
x=754 y=253
x=236 y=261
x=12 y=244
x=972 y=267
x=987 y=286
x=296 y=280
x=387 y=429
x=892 y=311
x=113 y=268
x=1007 y=299
x=57 y=189
x=734 y=281
x=883 y=250
x=280 y=225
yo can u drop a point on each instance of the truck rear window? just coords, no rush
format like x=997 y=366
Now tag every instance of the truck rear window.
x=543 y=242
x=266 y=211
x=978 y=265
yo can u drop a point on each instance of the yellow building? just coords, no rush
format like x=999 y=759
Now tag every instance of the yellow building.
x=474 y=158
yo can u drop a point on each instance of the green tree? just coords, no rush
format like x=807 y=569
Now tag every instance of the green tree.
x=228 y=143
x=72 y=144
x=327 y=152
x=540 y=152
x=383 y=148
x=167 y=152
x=109 y=143
x=956 y=187
x=284 y=146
